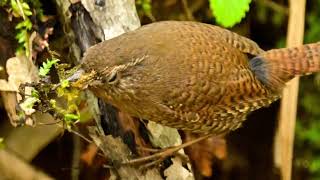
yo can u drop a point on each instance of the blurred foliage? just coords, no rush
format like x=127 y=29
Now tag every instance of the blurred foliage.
x=68 y=110
x=144 y=8
x=228 y=13
x=23 y=28
x=307 y=144
x=307 y=140
x=21 y=10
x=37 y=6
x=276 y=16
x=1 y=143
x=60 y=99
x=312 y=23
x=3 y=2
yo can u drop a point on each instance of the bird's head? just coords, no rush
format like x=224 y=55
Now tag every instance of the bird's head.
x=111 y=71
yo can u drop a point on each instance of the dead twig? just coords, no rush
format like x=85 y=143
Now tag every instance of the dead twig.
x=285 y=133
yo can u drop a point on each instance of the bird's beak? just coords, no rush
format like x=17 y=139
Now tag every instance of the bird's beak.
x=81 y=79
x=73 y=78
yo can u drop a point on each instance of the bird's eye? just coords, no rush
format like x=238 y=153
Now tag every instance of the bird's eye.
x=113 y=78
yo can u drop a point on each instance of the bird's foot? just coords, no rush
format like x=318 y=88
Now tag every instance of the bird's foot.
x=154 y=159
x=162 y=154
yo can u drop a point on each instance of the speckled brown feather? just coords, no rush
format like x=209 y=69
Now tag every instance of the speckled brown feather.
x=186 y=75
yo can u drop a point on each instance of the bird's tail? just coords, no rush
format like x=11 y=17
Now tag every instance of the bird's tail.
x=276 y=67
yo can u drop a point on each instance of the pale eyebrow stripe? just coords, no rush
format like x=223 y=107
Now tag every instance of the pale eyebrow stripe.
x=123 y=67
x=133 y=62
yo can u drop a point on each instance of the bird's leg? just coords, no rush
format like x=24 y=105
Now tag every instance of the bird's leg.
x=153 y=150
x=146 y=149
x=159 y=156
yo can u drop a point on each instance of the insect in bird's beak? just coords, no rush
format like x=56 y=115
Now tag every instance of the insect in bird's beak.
x=76 y=76
x=82 y=80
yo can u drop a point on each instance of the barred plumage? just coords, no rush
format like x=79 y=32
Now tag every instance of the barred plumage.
x=193 y=76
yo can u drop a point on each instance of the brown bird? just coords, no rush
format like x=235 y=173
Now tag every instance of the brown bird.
x=192 y=76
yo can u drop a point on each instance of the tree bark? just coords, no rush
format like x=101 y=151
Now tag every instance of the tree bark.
x=103 y=20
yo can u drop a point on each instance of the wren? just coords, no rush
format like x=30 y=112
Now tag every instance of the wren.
x=192 y=76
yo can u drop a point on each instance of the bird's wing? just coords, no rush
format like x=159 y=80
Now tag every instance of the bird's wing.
x=237 y=41
x=217 y=33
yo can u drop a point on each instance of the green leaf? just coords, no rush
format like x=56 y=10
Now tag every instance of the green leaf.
x=26 y=47
x=25 y=5
x=65 y=83
x=26 y=24
x=71 y=117
x=27 y=12
x=27 y=105
x=229 y=12
x=22 y=36
x=26 y=9
x=46 y=66
x=36 y=4
x=60 y=91
x=53 y=103
x=146 y=6
x=315 y=165
x=14 y=6
x=35 y=93
x=20 y=51
x=20 y=25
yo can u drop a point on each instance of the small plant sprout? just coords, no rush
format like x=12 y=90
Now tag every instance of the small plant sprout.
x=28 y=104
x=46 y=66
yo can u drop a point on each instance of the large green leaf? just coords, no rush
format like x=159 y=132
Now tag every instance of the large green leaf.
x=229 y=12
